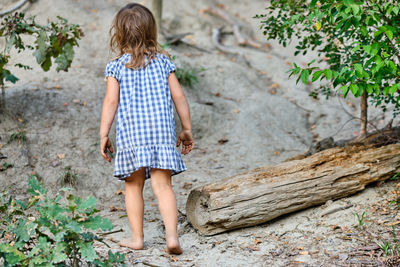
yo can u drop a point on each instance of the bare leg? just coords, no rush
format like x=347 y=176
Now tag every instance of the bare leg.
x=134 y=208
x=162 y=188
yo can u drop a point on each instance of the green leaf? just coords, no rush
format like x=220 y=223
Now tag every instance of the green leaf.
x=95 y=223
x=328 y=74
x=389 y=34
x=370 y=89
x=354 y=89
x=394 y=88
x=375 y=48
x=304 y=76
x=316 y=75
x=345 y=90
x=35 y=189
x=9 y=77
x=89 y=204
x=59 y=252
x=87 y=251
x=13 y=257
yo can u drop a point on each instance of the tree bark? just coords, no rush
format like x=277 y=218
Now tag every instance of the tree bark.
x=265 y=193
x=157 y=11
x=364 y=114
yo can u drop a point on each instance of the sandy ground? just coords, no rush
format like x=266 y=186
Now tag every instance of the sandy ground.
x=265 y=117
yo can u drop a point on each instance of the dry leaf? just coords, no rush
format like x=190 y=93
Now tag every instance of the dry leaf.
x=334 y=227
x=350 y=104
x=256 y=242
x=187 y=185
x=61 y=156
x=253 y=248
x=66 y=104
x=304 y=252
x=272 y=91
x=276 y=153
x=173 y=258
x=112 y=208
x=120 y=192
x=236 y=111
x=223 y=140
x=274 y=86
x=268 y=56
x=76 y=101
x=288 y=63
x=1 y=146
x=95 y=10
x=217 y=94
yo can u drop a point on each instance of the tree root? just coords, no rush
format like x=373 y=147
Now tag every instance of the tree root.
x=18 y=5
x=241 y=39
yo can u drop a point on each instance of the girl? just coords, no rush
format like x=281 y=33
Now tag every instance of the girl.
x=140 y=84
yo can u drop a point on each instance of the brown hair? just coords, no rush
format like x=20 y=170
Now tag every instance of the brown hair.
x=134 y=31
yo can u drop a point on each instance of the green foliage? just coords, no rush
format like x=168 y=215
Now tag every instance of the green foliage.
x=52 y=231
x=20 y=135
x=53 y=41
x=69 y=177
x=359 y=41
x=6 y=166
x=187 y=75
x=360 y=218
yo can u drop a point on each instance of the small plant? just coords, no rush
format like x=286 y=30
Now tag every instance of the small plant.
x=69 y=177
x=360 y=218
x=52 y=231
x=187 y=76
x=5 y=166
x=395 y=177
x=386 y=247
x=20 y=135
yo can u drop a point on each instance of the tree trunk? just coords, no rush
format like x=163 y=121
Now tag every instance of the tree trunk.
x=265 y=193
x=157 y=11
x=364 y=114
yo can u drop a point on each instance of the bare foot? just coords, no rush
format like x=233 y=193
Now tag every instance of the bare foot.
x=130 y=243
x=173 y=246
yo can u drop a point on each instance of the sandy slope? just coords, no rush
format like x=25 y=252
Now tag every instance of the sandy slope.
x=262 y=128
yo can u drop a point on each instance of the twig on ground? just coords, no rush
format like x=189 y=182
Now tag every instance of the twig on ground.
x=111 y=232
x=145 y=263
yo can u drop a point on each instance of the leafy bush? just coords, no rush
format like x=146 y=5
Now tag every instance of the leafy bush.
x=52 y=231
x=359 y=40
x=55 y=40
x=187 y=75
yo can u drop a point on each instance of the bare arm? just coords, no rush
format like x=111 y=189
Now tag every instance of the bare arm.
x=109 y=109
x=182 y=108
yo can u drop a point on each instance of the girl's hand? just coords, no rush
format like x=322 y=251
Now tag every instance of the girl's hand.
x=105 y=144
x=186 y=138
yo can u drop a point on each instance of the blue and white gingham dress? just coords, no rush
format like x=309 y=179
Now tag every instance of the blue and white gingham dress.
x=146 y=134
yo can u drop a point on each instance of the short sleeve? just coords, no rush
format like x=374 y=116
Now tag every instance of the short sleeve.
x=169 y=65
x=112 y=70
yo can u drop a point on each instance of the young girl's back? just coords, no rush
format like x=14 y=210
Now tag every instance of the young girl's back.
x=146 y=134
x=142 y=86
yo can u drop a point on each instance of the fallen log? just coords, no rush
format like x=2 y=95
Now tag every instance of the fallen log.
x=266 y=193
